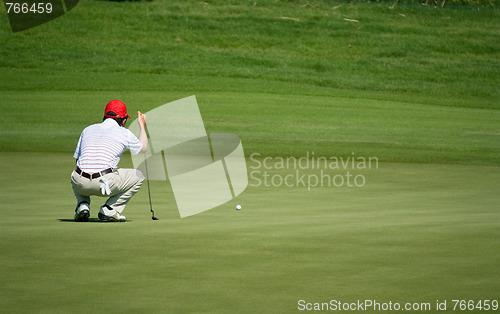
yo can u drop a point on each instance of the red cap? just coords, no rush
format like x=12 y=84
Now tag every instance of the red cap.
x=117 y=107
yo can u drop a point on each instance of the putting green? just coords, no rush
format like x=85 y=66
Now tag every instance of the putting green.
x=412 y=233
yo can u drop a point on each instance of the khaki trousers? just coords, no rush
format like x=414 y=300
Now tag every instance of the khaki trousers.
x=123 y=184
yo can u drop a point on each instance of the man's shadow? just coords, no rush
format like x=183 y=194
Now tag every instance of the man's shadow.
x=90 y=220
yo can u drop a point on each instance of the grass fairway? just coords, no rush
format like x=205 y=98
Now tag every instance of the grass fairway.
x=413 y=233
x=416 y=87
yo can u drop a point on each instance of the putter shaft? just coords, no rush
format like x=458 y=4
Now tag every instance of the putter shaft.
x=149 y=190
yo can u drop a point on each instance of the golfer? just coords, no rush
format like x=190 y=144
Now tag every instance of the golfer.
x=97 y=154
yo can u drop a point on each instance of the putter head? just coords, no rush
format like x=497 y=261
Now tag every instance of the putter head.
x=155 y=218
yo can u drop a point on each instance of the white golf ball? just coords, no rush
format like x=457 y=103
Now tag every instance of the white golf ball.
x=238 y=207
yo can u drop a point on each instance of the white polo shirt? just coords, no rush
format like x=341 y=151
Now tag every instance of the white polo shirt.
x=101 y=146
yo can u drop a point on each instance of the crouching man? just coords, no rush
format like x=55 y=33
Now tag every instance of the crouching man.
x=97 y=154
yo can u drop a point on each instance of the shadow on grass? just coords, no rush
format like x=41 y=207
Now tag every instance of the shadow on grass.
x=91 y=220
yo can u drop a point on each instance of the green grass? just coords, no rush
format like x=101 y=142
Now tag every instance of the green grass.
x=415 y=87
x=413 y=233
x=450 y=53
x=274 y=125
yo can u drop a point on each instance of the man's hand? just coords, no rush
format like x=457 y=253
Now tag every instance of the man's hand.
x=143 y=138
x=141 y=118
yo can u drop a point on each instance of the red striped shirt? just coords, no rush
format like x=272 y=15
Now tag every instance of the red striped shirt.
x=101 y=146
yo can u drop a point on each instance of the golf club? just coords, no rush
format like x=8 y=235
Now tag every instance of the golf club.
x=149 y=191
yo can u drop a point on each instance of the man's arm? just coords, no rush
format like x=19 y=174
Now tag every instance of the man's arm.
x=143 y=137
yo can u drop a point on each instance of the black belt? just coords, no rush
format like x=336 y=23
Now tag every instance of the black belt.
x=94 y=175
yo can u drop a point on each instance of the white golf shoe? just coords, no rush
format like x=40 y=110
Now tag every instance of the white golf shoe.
x=82 y=212
x=106 y=213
